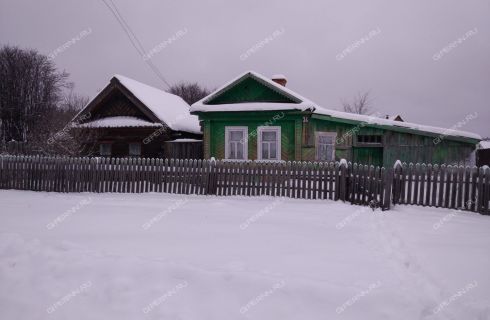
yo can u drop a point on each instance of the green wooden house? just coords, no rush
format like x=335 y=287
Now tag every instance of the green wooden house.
x=253 y=117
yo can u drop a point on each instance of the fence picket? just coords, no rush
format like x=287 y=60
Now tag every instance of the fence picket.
x=435 y=179
x=420 y=184
x=486 y=195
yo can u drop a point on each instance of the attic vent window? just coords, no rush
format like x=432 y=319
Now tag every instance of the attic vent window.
x=369 y=139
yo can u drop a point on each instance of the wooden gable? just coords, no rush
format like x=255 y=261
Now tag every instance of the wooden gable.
x=115 y=100
x=250 y=89
x=117 y=104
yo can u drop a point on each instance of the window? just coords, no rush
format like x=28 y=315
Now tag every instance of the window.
x=135 y=149
x=325 y=146
x=236 y=143
x=371 y=139
x=269 y=143
x=105 y=149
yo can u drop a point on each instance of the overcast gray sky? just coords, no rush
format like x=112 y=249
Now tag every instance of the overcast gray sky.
x=397 y=63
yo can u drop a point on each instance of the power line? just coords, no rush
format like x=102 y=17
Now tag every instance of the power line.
x=134 y=40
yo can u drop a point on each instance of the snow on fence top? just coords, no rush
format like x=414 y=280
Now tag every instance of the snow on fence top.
x=167 y=107
x=484 y=144
x=119 y=122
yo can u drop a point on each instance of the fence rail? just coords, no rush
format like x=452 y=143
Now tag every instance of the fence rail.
x=451 y=187
x=306 y=180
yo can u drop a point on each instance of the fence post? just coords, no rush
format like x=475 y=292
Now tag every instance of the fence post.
x=211 y=184
x=388 y=181
x=486 y=195
x=396 y=185
x=480 y=194
x=343 y=179
x=3 y=171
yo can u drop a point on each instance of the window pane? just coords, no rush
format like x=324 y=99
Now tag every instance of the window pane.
x=239 y=150
x=105 y=149
x=323 y=153
x=236 y=135
x=265 y=150
x=329 y=153
x=134 y=149
x=232 y=151
x=325 y=139
x=273 y=150
x=269 y=136
x=325 y=147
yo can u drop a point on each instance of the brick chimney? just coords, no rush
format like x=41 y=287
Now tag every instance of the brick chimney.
x=280 y=79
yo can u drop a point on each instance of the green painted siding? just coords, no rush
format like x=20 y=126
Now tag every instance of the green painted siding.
x=298 y=139
x=252 y=122
x=406 y=147
x=249 y=90
x=368 y=155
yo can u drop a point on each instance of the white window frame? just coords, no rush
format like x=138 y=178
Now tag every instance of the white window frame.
x=110 y=149
x=228 y=130
x=262 y=129
x=319 y=134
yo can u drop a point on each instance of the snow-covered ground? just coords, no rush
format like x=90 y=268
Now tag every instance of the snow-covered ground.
x=157 y=256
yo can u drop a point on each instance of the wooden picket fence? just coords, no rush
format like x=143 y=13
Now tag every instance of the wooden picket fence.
x=454 y=187
x=358 y=184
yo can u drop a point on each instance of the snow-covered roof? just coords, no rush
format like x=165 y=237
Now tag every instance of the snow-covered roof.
x=443 y=132
x=484 y=144
x=303 y=103
x=278 y=76
x=118 y=122
x=307 y=105
x=167 y=107
x=186 y=140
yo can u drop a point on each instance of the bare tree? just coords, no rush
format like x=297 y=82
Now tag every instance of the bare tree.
x=190 y=92
x=55 y=135
x=37 y=105
x=30 y=90
x=73 y=102
x=361 y=104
